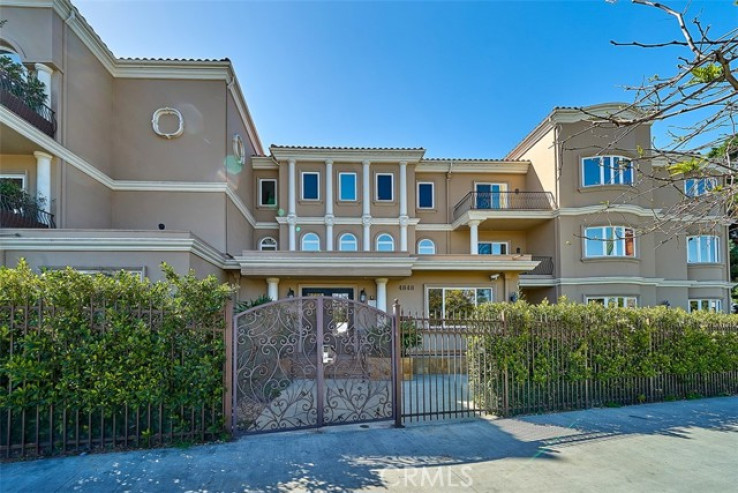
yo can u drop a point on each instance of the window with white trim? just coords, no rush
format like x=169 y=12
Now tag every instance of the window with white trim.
x=348 y=243
x=609 y=241
x=613 y=301
x=706 y=305
x=109 y=271
x=703 y=249
x=450 y=301
x=310 y=185
x=426 y=195
x=384 y=187
x=607 y=170
x=14 y=57
x=385 y=243
x=347 y=187
x=268 y=244
x=492 y=248
x=267 y=192
x=310 y=242
x=694 y=187
x=18 y=179
x=426 y=247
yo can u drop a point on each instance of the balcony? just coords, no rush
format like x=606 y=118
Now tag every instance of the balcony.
x=17 y=215
x=493 y=210
x=41 y=117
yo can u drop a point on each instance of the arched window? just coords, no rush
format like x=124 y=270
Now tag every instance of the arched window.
x=347 y=243
x=310 y=243
x=8 y=52
x=385 y=243
x=426 y=247
x=268 y=244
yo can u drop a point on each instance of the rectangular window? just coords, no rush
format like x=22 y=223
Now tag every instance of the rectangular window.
x=695 y=187
x=706 y=305
x=704 y=249
x=492 y=248
x=614 y=301
x=268 y=193
x=449 y=302
x=385 y=187
x=607 y=170
x=426 y=199
x=609 y=241
x=310 y=185
x=347 y=187
x=18 y=179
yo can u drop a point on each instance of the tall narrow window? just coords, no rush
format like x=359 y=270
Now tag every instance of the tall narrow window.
x=310 y=243
x=426 y=199
x=385 y=243
x=347 y=243
x=347 y=187
x=426 y=247
x=310 y=185
x=703 y=249
x=385 y=187
x=694 y=187
x=267 y=193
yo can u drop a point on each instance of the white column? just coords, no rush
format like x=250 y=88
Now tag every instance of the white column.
x=473 y=237
x=381 y=293
x=403 y=206
x=273 y=288
x=366 y=215
x=291 y=204
x=329 y=205
x=43 y=73
x=43 y=177
x=403 y=188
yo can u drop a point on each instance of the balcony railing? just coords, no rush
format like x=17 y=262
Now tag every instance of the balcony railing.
x=17 y=215
x=545 y=268
x=42 y=117
x=517 y=200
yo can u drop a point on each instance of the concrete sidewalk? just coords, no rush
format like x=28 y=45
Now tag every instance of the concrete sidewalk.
x=677 y=446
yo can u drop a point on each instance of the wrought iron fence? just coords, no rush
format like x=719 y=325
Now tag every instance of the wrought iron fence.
x=450 y=369
x=41 y=117
x=22 y=214
x=53 y=427
x=505 y=200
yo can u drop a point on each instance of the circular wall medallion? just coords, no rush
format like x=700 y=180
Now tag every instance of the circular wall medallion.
x=161 y=112
x=239 y=151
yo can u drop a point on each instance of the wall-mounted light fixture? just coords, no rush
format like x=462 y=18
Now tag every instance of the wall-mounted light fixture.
x=362 y=296
x=291 y=293
x=514 y=297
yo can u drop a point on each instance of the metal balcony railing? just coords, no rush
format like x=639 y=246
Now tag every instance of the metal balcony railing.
x=545 y=268
x=14 y=214
x=41 y=117
x=516 y=200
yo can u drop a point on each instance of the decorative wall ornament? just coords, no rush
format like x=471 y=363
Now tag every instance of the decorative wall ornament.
x=239 y=151
x=163 y=112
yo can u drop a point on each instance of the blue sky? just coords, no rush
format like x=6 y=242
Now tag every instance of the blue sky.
x=462 y=79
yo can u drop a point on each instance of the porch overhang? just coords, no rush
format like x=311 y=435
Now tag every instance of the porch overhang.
x=325 y=264
x=502 y=219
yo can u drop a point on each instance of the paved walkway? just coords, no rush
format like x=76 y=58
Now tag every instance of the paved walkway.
x=677 y=446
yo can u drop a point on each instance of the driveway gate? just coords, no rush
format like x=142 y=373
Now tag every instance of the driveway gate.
x=313 y=361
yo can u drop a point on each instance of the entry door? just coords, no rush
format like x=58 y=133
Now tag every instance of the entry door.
x=489 y=196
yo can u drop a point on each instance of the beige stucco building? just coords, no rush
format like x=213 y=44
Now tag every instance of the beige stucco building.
x=142 y=161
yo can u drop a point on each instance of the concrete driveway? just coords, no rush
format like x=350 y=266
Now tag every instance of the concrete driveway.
x=677 y=446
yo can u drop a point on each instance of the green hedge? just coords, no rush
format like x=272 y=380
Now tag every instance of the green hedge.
x=564 y=356
x=97 y=344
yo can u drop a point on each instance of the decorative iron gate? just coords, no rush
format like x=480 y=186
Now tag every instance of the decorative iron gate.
x=313 y=361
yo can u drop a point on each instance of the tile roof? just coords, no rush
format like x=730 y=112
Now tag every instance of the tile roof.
x=342 y=148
